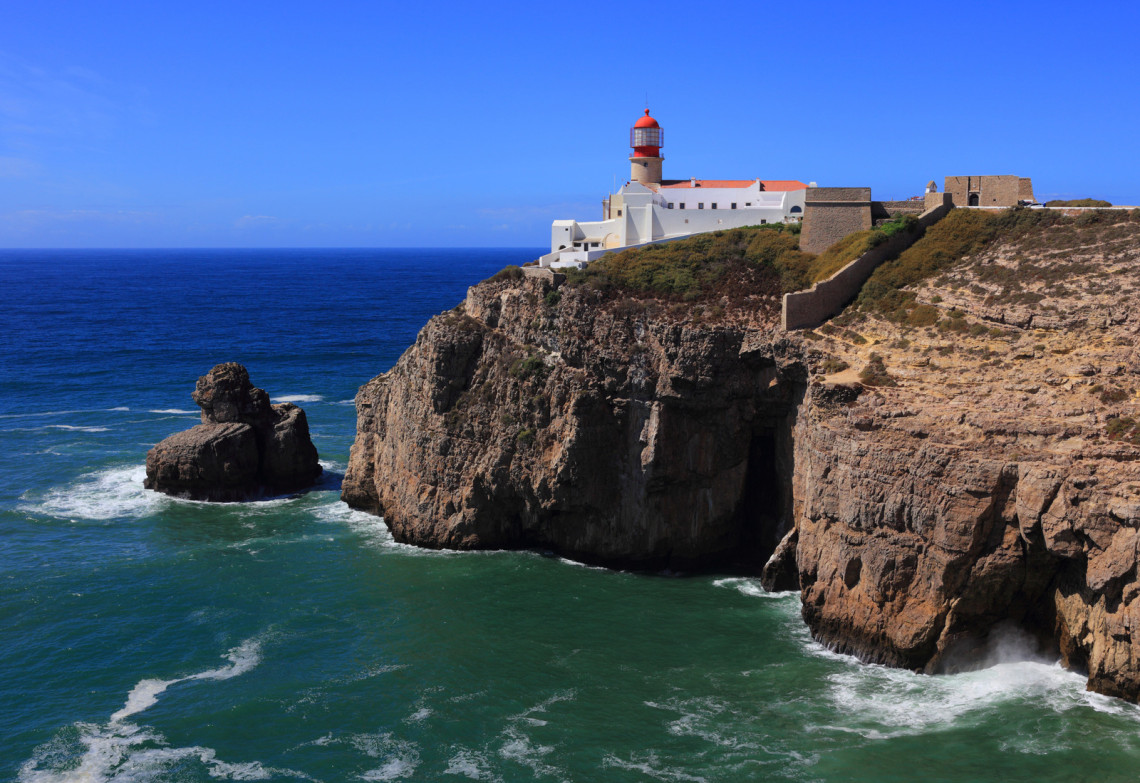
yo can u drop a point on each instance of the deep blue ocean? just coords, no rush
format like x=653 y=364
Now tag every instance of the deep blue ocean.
x=144 y=638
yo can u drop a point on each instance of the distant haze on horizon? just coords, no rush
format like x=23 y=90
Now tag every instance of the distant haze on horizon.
x=130 y=124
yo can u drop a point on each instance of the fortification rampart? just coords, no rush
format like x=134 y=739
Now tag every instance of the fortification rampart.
x=885 y=210
x=831 y=214
x=807 y=309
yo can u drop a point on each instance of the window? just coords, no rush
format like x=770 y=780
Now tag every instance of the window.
x=700 y=205
x=619 y=213
x=762 y=222
x=714 y=205
x=670 y=205
x=796 y=209
x=747 y=203
x=682 y=205
x=734 y=205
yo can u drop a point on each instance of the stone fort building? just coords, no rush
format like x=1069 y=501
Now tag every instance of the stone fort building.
x=990 y=191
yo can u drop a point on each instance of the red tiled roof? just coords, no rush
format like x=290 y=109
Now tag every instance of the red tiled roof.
x=768 y=185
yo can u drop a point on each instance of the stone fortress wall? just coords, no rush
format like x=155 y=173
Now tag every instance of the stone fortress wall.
x=989 y=191
x=831 y=214
x=807 y=309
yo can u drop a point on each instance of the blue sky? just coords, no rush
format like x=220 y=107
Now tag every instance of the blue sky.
x=437 y=124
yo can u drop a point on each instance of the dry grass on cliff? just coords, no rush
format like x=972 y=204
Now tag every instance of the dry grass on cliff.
x=967 y=232
x=854 y=245
x=737 y=263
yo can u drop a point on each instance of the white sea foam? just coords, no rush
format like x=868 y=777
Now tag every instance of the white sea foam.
x=699 y=717
x=123 y=751
x=651 y=766
x=519 y=748
x=121 y=408
x=419 y=716
x=144 y=695
x=471 y=765
x=299 y=398
x=173 y=410
x=881 y=703
x=74 y=428
x=751 y=587
x=107 y=494
x=401 y=757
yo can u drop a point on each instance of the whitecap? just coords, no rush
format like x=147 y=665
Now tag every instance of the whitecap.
x=299 y=398
x=121 y=408
x=107 y=494
x=173 y=410
x=72 y=428
x=420 y=715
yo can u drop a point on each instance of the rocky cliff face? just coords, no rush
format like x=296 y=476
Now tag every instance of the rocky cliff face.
x=984 y=471
x=243 y=449
x=997 y=482
x=622 y=431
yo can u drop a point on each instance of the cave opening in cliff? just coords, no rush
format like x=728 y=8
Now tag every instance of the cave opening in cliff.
x=766 y=504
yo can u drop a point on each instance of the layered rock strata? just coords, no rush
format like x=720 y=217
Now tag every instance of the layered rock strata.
x=982 y=473
x=997 y=481
x=244 y=448
x=614 y=431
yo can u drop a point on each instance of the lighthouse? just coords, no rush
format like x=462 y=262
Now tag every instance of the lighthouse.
x=646 y=138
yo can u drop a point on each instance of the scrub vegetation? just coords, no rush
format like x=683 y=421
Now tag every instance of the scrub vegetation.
x=754 y=260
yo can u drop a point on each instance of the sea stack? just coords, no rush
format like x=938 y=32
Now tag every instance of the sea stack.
x=245 y=448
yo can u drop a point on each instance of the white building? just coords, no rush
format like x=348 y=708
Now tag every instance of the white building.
x=651 y=209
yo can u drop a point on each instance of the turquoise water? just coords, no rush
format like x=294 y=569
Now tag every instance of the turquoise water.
x=147 y=638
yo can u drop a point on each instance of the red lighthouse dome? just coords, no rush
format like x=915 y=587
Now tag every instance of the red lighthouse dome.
x=646 y=137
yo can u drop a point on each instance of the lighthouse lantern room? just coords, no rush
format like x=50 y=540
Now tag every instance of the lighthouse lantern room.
x=646 y=138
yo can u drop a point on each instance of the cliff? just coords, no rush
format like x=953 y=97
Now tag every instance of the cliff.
x=954 y=454
x=612 y=429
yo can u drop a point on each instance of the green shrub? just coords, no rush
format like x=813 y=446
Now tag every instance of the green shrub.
x=552 y=298
x=923 y=315
x=508 y=273
x=762 y=259
x=832 y=365
x=525 y=437
x=1114 y=395
x=1079 y=202
x=532 y=366
x=875 y=373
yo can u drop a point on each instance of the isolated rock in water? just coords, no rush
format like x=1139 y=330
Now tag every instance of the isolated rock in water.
x=244 y=448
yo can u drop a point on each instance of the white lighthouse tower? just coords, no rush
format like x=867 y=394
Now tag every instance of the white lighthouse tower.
x=647 y=138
